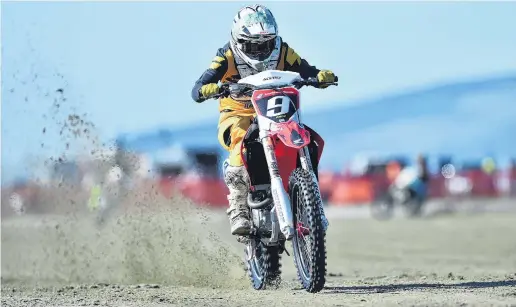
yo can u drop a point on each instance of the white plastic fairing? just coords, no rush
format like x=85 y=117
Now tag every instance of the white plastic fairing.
x=406 y=177
x=272 y=77
x=264 y=123
x=267 y=124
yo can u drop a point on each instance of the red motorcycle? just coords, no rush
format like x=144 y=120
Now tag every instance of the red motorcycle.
x=281 y=156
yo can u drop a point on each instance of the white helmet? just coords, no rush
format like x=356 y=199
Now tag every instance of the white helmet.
x=254 y=35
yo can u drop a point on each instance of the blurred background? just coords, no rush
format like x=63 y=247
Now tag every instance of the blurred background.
x=97 y=95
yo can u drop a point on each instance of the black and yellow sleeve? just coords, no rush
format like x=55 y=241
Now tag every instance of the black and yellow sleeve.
x=214 y=73
x=293 y=62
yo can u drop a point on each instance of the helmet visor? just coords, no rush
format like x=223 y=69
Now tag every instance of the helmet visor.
x=258 y=50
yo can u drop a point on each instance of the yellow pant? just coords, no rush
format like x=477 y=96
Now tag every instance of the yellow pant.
x=231 y=133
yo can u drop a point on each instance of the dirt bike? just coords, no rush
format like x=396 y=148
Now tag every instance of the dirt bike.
x=281 y=156
x=407 y=191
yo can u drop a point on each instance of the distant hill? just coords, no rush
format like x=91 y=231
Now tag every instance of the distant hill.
x=464 y=119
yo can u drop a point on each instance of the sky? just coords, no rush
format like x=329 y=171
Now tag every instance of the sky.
x=130 y=66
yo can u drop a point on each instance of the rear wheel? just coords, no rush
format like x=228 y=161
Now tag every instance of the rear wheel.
x=264 y=268
x=413 y=207
x=309 y=239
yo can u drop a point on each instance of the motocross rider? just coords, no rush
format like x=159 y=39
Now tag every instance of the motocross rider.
x=254 y=46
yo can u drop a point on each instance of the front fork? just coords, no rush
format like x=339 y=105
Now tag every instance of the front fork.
x=306 y=164
x=279 y=195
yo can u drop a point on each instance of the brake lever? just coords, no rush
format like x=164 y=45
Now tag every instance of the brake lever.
x=223 y=92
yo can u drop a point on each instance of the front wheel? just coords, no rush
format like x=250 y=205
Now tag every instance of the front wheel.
x=309 y=239
x=382 y=208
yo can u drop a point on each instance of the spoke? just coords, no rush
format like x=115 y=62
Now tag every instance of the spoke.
x=302 y=233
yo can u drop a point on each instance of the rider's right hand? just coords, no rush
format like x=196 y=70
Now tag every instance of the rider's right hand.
x=209 y=90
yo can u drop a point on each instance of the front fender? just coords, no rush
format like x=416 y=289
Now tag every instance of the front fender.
x=292 y=134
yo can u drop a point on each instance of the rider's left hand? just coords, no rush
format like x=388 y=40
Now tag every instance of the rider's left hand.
x=325 y=76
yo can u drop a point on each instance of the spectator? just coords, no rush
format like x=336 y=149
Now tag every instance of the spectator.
x=422 y=167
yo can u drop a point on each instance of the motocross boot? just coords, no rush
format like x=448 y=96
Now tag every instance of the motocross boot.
x=237 y=181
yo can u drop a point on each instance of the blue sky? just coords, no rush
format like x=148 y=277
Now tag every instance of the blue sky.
x=131 y=65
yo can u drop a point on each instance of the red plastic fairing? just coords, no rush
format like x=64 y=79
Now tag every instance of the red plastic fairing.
x=286 y=151
x=287 y=161
x=292 y=134
x=287 y=156
x=260 y=98
x=317 y=139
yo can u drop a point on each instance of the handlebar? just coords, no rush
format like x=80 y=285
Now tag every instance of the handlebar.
x=226 y=89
